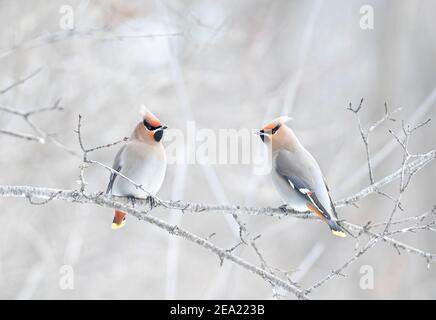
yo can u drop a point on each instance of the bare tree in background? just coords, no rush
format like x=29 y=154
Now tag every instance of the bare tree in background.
x=280 y=280
x=68 y=91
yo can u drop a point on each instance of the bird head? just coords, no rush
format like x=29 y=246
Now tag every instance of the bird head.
x=150 y=129
x=272 y=132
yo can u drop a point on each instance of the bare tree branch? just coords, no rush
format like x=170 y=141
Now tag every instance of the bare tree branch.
x=20 y=81
x=265 y=271
x=416 y=164
x=277 y=278
x=365 y=133
x=393 y=242
x=91 y=34
x=24 y=136
x=40 y=135
x=122 y=203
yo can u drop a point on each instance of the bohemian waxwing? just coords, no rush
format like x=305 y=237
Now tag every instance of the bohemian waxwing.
x=296 y=174
x=142 y=159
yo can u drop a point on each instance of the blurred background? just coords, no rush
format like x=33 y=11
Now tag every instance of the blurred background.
x=223 y=64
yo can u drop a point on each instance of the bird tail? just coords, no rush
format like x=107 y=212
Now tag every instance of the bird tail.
x=119 y=220
x=336 y=229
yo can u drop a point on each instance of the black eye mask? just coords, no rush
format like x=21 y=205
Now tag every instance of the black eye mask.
x=150 y=127
x=274 y=130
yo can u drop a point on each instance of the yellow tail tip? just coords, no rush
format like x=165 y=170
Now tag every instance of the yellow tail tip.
x=341 y=234
x=118 y=226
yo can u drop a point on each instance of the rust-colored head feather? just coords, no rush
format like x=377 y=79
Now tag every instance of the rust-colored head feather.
x=278 y=134
x=150 y=128
x=277 y=121
x=152 y=120
x=149 y=117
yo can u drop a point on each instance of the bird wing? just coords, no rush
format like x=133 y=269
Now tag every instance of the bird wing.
x=117 y=165
x=303 y=177
x=331 y=201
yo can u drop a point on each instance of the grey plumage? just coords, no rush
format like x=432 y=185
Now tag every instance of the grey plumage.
x=297 y=176
x=144 y=164
x=117 y=167
x=142 y=160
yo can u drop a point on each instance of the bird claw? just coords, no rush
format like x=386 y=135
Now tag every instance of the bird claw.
x=151 y=201
x=132 y=200
x=284 y=208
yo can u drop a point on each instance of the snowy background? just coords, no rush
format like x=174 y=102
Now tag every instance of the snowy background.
x=223 y=64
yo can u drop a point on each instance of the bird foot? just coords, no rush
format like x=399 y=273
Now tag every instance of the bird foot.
x=284 y=208
x=132 y=200
x=151 y=201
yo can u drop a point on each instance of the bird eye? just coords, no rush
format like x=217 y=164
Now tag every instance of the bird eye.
x=274 y=130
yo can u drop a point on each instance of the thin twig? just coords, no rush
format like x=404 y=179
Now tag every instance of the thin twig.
x=20 y=81
x=91 y=34
x=121 y=203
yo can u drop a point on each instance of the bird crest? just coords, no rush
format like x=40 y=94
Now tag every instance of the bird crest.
x=277 y=122
x=149 y=117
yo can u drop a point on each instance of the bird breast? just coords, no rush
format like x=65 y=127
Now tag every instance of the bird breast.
x=145 y=164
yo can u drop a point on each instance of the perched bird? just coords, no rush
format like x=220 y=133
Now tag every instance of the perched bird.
x=142 y=159
x=297 y=176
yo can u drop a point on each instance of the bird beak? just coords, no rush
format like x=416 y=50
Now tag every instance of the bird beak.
x=162 y=128
x=258 y=133
x=262 y=134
